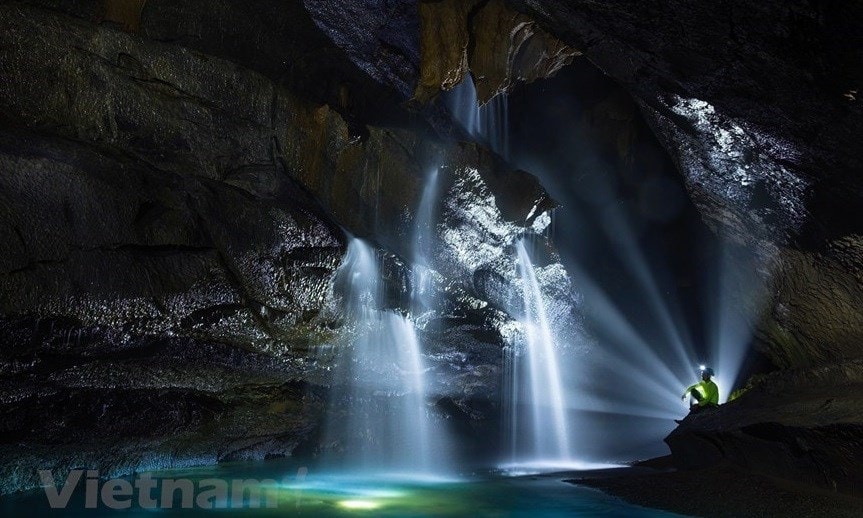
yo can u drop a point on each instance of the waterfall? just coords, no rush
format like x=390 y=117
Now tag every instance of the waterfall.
x=535 y=401
x=487 y=123
x=382 y=421
x=424 y=243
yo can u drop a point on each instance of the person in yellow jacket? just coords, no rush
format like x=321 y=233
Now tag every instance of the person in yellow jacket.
x=705 y=392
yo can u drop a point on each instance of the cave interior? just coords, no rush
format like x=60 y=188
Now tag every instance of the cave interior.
x=422 y=257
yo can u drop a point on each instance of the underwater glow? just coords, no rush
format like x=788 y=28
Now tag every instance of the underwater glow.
x=539 y=465
x=364 y=505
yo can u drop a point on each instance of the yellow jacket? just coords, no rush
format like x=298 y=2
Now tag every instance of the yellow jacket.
x=708 y=390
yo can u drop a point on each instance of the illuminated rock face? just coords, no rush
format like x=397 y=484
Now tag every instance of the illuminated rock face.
x=498 y=46
x=173 y=217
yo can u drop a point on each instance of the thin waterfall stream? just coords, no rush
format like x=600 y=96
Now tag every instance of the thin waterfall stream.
x=487 y=123
x=381 y=372
x=534 y=399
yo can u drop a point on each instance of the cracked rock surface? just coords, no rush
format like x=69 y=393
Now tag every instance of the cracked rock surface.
x=175 y=201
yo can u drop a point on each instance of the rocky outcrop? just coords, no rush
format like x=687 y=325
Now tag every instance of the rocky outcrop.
x=508 y=48
x=104 y=241
x=804 y=425
x=162 y=275
x=164 y=152
x=102 y=398
x=444 y=46
x=498 y=46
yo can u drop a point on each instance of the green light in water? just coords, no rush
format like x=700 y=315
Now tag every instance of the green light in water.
x=359 y=505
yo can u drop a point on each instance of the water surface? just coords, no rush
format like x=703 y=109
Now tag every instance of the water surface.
x=302 y=492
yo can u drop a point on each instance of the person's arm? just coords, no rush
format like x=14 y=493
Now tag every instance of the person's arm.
x=688 y=390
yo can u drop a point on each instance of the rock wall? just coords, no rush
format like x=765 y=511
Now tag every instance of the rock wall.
x=175 y=202
x=498 y=46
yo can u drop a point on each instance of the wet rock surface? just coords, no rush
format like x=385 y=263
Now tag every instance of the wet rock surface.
x=101 y=398
x=175 y=200
x=499 y=47
x=162 y=281
x=720 y=492
x=109 y=242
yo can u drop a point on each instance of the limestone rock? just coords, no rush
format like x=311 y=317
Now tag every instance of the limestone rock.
x=498 y=46
x=508 y=47
x=445 y=37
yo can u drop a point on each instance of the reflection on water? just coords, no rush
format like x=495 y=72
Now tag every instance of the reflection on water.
x=299 y=491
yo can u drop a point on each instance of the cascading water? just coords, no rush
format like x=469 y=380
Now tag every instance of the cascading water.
x=536 y=402
x=487 y=123
x=380 y=376
x=424 y=234
x=535 y=406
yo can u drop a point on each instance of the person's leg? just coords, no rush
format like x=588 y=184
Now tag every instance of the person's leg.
x=697 y=397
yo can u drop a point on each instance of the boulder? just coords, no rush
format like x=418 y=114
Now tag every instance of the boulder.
x=800 y=424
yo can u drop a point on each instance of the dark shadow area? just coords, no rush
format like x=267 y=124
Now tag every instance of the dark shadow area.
x=585 y=137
